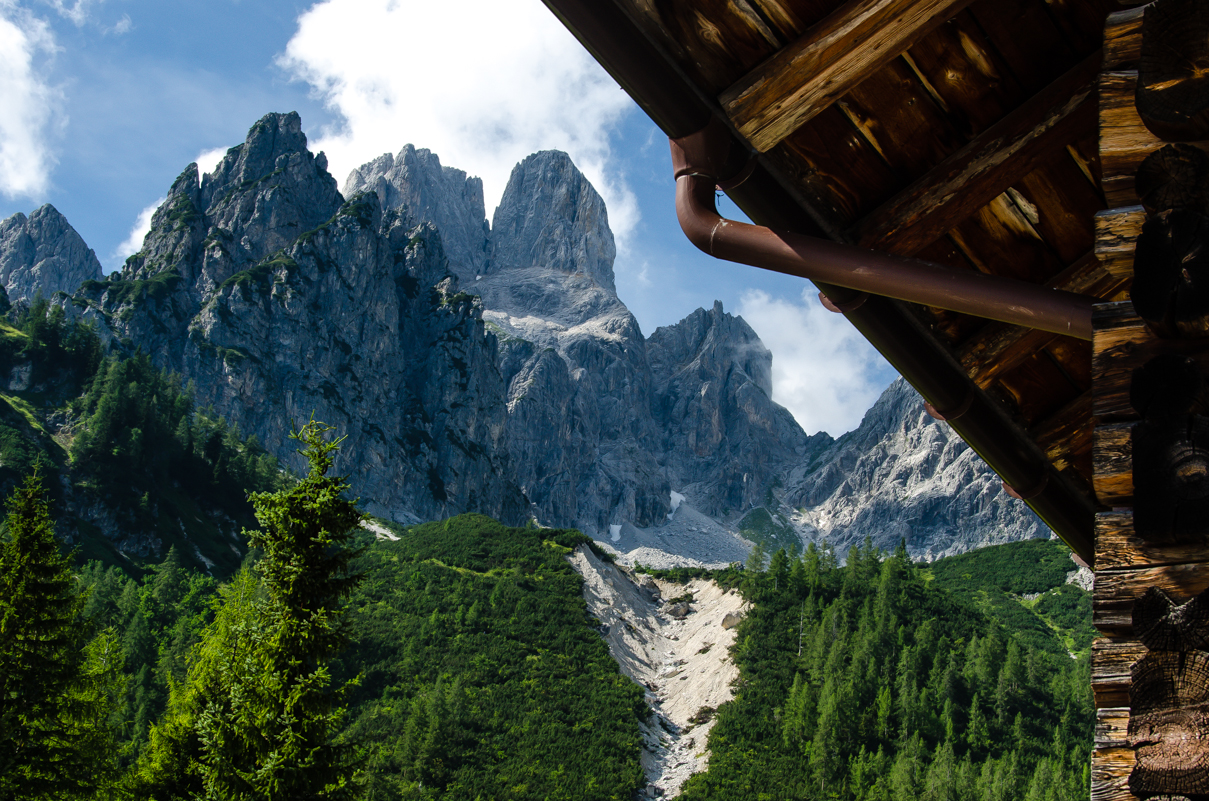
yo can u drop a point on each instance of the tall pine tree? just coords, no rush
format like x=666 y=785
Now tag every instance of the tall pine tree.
x=55 y=688
x=257 y=717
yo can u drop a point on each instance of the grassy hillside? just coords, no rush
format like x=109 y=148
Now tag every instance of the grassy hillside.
x=1023 y=586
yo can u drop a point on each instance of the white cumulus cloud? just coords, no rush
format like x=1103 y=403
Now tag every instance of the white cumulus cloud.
x=30 y=108
x=823 y=371
x=207 y=160
x=134 y=242
x=482 y=83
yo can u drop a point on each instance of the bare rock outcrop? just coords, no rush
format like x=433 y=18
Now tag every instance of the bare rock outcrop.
x=42 y=254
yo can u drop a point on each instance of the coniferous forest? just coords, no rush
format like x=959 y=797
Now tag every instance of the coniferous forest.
x=869 y=681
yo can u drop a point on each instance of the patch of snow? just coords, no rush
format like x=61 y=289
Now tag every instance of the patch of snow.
x=615 y=533
x=379 y=530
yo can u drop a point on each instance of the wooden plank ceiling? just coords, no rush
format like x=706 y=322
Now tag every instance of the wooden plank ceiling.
x=964 y=133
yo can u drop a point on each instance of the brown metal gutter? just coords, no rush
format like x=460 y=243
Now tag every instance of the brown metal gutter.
x=679 y=107
x=967 y=291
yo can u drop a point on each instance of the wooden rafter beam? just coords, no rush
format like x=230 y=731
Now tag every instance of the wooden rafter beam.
x=982 y=170
x=836 y=54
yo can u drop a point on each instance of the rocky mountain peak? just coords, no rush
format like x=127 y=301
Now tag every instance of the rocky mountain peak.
x=551 y=216
x=42 y=253
x=415 y=182
x=711 y=342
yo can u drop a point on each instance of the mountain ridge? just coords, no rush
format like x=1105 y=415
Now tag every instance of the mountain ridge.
x=492 y=367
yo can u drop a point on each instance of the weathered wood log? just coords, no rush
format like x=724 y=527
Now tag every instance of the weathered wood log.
x=1171 y=479
x=1117 y=237
x=1116 y=592
x=1124 y=140
x=1110 y=769
x=1118 y=547
x=1112 y=467
x=1169 y=385
x=1170 y=288
x=985 y=168
x=1112 y=661
x=1173 y=71
x=1169 y=723
x=1123 y=343
x=828 y=60
x=1161 y=624
x=1123 y=39
x=1112 y=728
x=1173 y=177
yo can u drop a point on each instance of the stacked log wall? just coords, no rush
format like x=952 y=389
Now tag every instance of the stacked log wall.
x=1128 y=566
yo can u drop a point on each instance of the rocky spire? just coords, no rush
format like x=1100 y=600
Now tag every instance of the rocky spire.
x=42 y=253
x=415 y=183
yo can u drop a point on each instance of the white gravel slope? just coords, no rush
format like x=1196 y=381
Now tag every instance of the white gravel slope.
x=683 y=664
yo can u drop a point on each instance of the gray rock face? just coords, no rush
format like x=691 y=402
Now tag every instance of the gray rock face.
x=901 y=474
x=43 y=254
x=280 y=301
x=415 y=182
x=573 y=357
x=725 y=441
x=495 y=370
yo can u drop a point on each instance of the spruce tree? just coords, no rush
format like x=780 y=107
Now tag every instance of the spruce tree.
x=278 y=739
x=55 y=689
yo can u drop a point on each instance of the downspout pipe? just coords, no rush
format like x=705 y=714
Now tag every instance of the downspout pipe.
x=702 y=161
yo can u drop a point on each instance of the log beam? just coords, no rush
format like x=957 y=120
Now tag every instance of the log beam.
x=985 y=168
x=997 y=348
x=828 y=60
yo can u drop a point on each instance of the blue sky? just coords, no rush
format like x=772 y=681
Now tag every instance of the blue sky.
x=104 y=102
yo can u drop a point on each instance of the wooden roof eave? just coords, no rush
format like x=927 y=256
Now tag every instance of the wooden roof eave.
x=768 y=197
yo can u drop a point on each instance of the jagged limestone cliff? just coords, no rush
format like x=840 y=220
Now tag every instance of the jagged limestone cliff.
x=279 y=300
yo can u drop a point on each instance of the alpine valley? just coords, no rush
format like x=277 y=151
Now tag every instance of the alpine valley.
x=489 y=368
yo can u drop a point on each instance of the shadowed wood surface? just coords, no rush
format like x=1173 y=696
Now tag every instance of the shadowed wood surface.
x=1161 y=624
x=1173 y=177
x=1122 y=344
x=1123 y=40
x=1125 y=141
x=1119 y=547
x=1112 y=458
x=985 y=168
x=1117 y=590
x=1170 y=289
x=1173 y=70
x=839 y=53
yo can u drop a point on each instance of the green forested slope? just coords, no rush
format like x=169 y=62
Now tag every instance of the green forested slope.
x=1023 y=586
x=483 y=676
x=126 y=446
x=868 y=682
